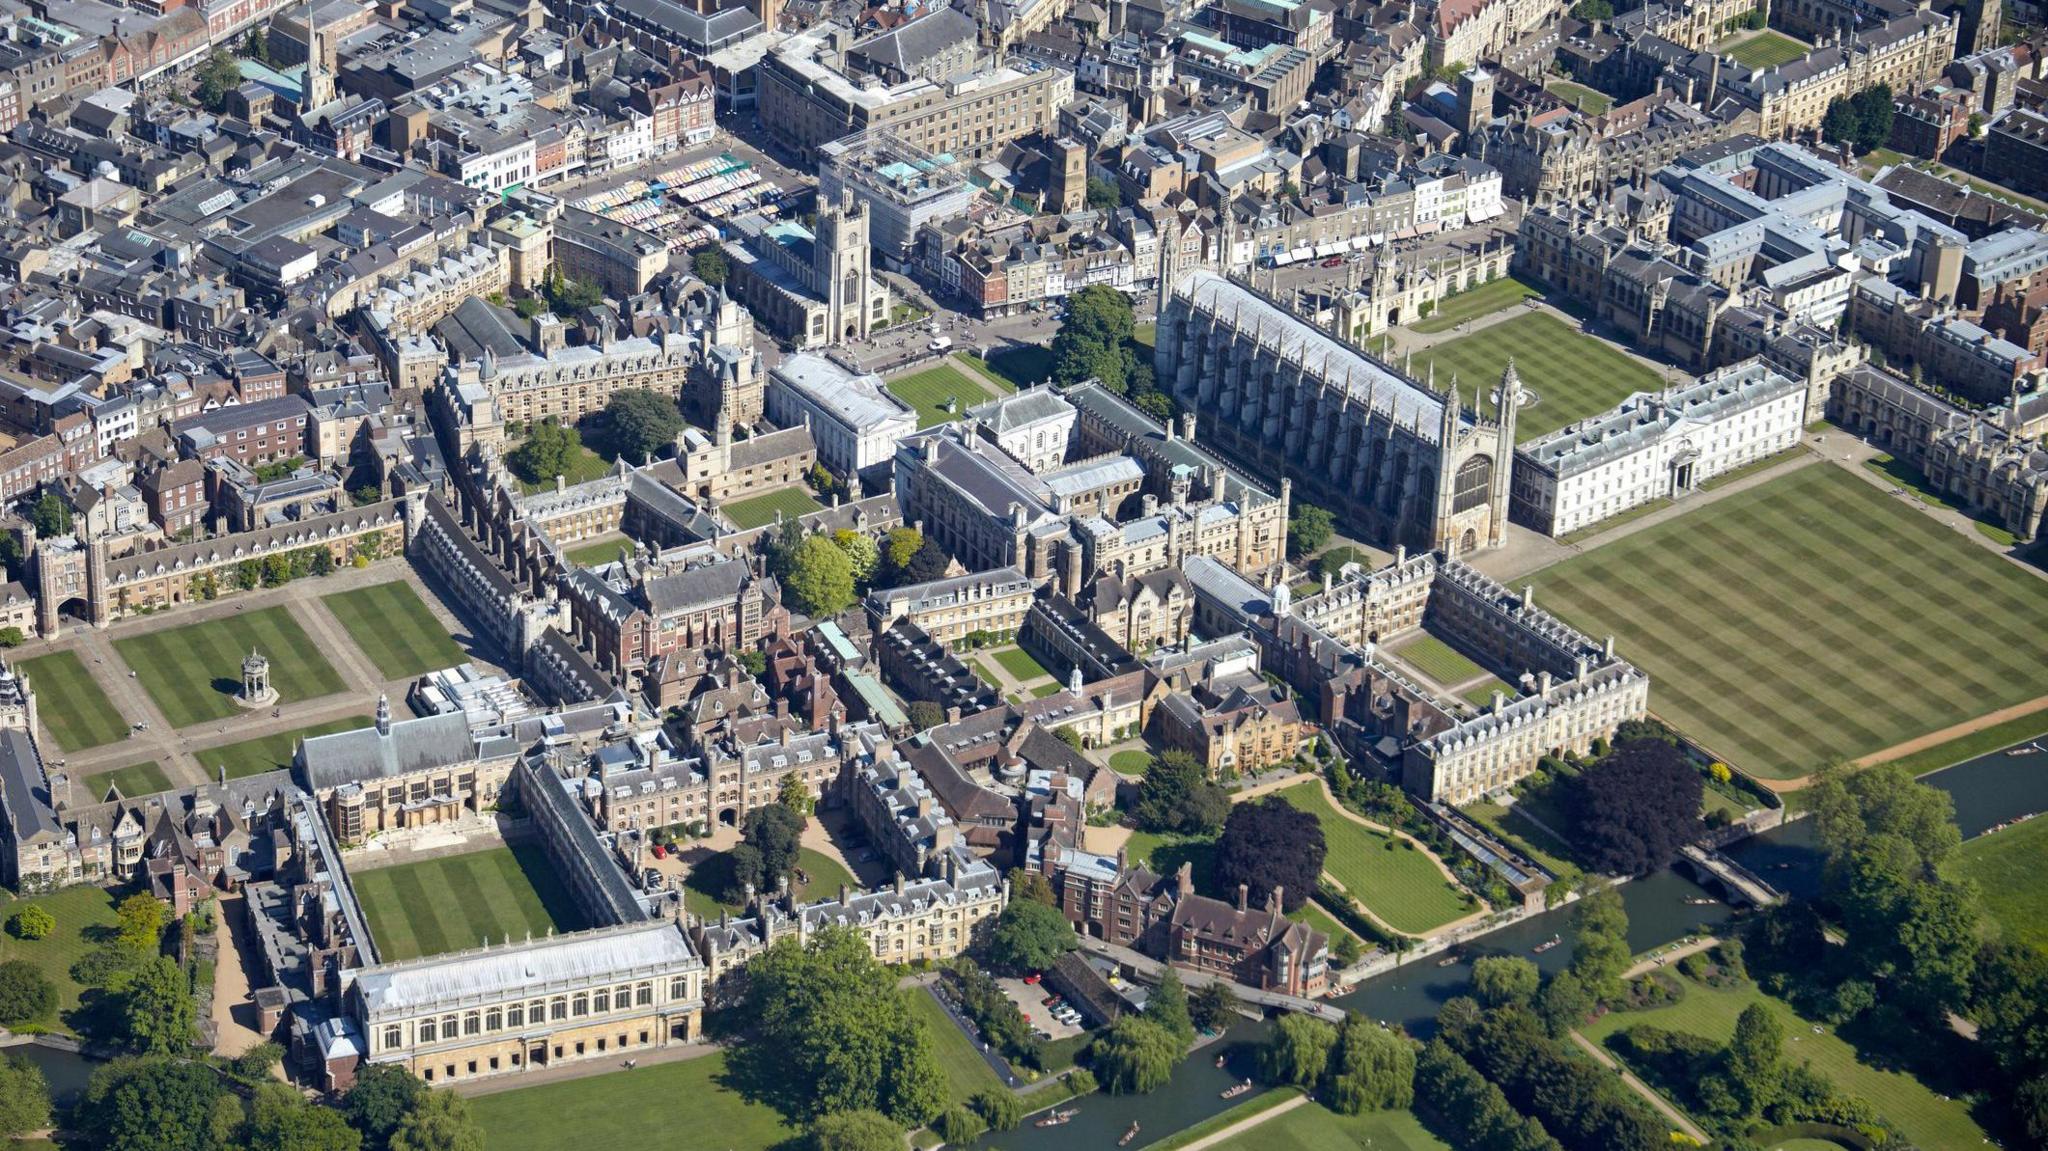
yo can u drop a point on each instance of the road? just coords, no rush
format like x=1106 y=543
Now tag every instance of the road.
x=1669 y=1112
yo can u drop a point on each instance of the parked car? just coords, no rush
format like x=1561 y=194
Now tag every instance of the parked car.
x=1334 y=262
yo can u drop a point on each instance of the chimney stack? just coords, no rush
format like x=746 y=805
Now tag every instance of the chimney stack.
x=1244 y=895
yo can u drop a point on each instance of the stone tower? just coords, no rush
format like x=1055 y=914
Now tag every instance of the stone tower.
x=319 y=90
x=841 y=261
x=1475 y=101
x=1070 y=174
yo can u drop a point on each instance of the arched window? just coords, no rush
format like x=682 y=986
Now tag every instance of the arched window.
x=494 y=1020
x=426 y=1031
x=1474 y=479
x=515 y=1015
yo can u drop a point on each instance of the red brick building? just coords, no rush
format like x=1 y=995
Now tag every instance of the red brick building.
x=250 y=434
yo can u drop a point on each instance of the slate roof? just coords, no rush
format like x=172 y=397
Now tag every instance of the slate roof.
x=367 y=753
x=583 y=958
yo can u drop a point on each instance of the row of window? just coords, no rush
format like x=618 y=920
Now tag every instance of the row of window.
x=519 y=1015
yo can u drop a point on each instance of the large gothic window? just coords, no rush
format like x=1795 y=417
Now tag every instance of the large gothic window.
x=1473 y=480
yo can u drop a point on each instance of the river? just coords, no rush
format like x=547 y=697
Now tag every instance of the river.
x=1988 y=790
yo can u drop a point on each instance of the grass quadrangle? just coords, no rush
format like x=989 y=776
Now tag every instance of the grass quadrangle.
x=1472 y=303
x=634 y=1108
x=193 y=672
x=1766 y=49
x=594 y=553
x=1572 y=374
x=1437 y=660
x=1401 y=885
x=393 y=627
x=1591 y=101
x=70 y=703
x=459 y=901
x=1782 y=625
x=928 y=391
x=1019 y=664
x=137 y=779
x=759 y=511
x=269 y=752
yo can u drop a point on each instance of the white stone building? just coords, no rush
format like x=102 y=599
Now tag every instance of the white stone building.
x=854 y=420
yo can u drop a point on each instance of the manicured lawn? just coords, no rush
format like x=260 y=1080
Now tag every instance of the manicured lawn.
x=1022 y=367
x=1019 y=664
x=134 y=780
x=637 y=1108
x=1781 y=625
x=1766 y=49
x=1976 y=743
x=759 y=511
x=929 y=390
x=1911 y=478
x=1401 y=886
x=1482 y=696
x=598 y=552
x=1472 y=303
x=2008 y=866
x=81 y=912
x=1145 y=334
x=708 y=881
x=1321 y=920
x=1437 y=660
x=193 y=672
x=584 y=466
x=395 y=629
x=1131 y=762
x=978 y=369
x=1573 y=375
x=1312 y=1127
x=966 y=1071
x=269 y=752
x=1922 y=1116
x=459 y=901
x=1591 y=101
x=1165 y=853
x=1516 y=830
x=74 y=710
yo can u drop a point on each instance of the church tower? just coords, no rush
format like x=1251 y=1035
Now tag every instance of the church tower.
x=1475 y=101
x=319 y=87
x=1509 y=403
x=845 y=276
x=1070 y=165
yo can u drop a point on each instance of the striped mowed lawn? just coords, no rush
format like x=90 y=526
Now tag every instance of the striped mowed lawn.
x=137 y=779
x=269 y=752
x=395 y=629
x=71 y=705
x=759 y=511
x=928 y=391
x=1572 y=374
x=1438 y=660
x=193 y=672
x=1401 y=886
x=458 y=901
x=1809 y=619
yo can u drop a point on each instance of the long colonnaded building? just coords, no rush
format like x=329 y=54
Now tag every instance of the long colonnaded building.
x=1391 y=457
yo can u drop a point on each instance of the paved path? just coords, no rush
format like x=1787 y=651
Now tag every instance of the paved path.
x=234 y=1008
x=1665 y=1109
x=1243 y=1125
x=1652 y=963
x=584 y=1069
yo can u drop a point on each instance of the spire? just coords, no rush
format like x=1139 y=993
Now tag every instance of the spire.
x=383 y=714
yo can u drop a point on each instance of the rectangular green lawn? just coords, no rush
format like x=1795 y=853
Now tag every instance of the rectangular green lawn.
x=269 y=752
x=2008 y=866
x=193 y=672
x=136 y=779
x=1765 y=50
x=1572 y=375
x=1401 y=886
x=395 y=629
x=966 y=1071
x=74 y=710
x=759 y=511
x=459 y=901
x=1810 y=618
x=1472 y=303
x=1923 y=1116
x=1312 y=1127
x=1022 y=367
x=78 y=910
x=602 y=551
x=1591 y=101
x=928 y=391
x=1019 y=664
x=1437 y=660
x=637 y=1108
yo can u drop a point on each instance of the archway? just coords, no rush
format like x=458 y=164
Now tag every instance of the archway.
x=729 y=816
x=1469 y=543
x=75 y=608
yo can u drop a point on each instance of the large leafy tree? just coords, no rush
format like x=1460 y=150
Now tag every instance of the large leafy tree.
x=833 y=1033
x=51 y=514
x=153 y=1105
x=710 y=265
x=1297 y=1050
x=863 y=555
x=440 y=1122
x=1309 y=529
x=1177 y=795
x=1029 y=936
x=281 y=1119
x=547 y=452
x=854 y=1131
x=642 y=422
x=1135 y=1055
x=1168 y=1007
x=928 y=563
x=1093 y=342
x=157 y=1009
x=1602 y=953
x=1267 y=845
x=820 y=578
x=898 y=548
x=218 y=76
x=26 y=994
x=1754 y=1064
x=384 y=1094
x=1635 y=808
x=769 y=849
x=1500 y=980
x=1370 y=1068
x=24 y=1098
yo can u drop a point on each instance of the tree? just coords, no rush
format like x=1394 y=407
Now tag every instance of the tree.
x=1602 y=952
x=925 y=714
x=960 y=1125
x=1563 y=1003
x=1001 y=1110
x=12 y=637
x=33 y=921
x=795 y=796
x=1635 y=808
x=771 y=841
x=898 y=548
x=1029 y=936
x=1841 y=125
x=930 y=563
x=1135 y=1055
x=439 y=1122
x=1873 y=116
x=754 y=663
x=158 y=1013
x=863 y=556
x=1884 y=799
x=1590 y=10
x=280 y=1119
x=1500 y=980
x=51 y=515
x=1754 y=1065
x=1168 y=1007
x=860 y=1130
x=1297 y=1050
x=217 y=77
x=26 y=994
x=1309 y=530
x=642 y=422
x=710 y=266
x=568 y=296
x=1103 y=195
x=833 y=1033
x=24 y=1098
x=256 y=46
x=1177 y=795
x=1270 y=845
x=1369 y=1069
x=138 y=924
x=1212 y=1005
x=1092 y=341
x=547 y=452
x=1031 y=886
x=820 y=579
x=151 y=1105
x=384 y=1094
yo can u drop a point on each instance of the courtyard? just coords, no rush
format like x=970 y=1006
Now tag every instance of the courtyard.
x=1766 y=49
x=760 y=511
x=940 y=394
x=1572 y=375
x=72 y=706
x=193 y=672
x=1809 y=619
x=461 y=901
x=1472 y=303
x=393 y=626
